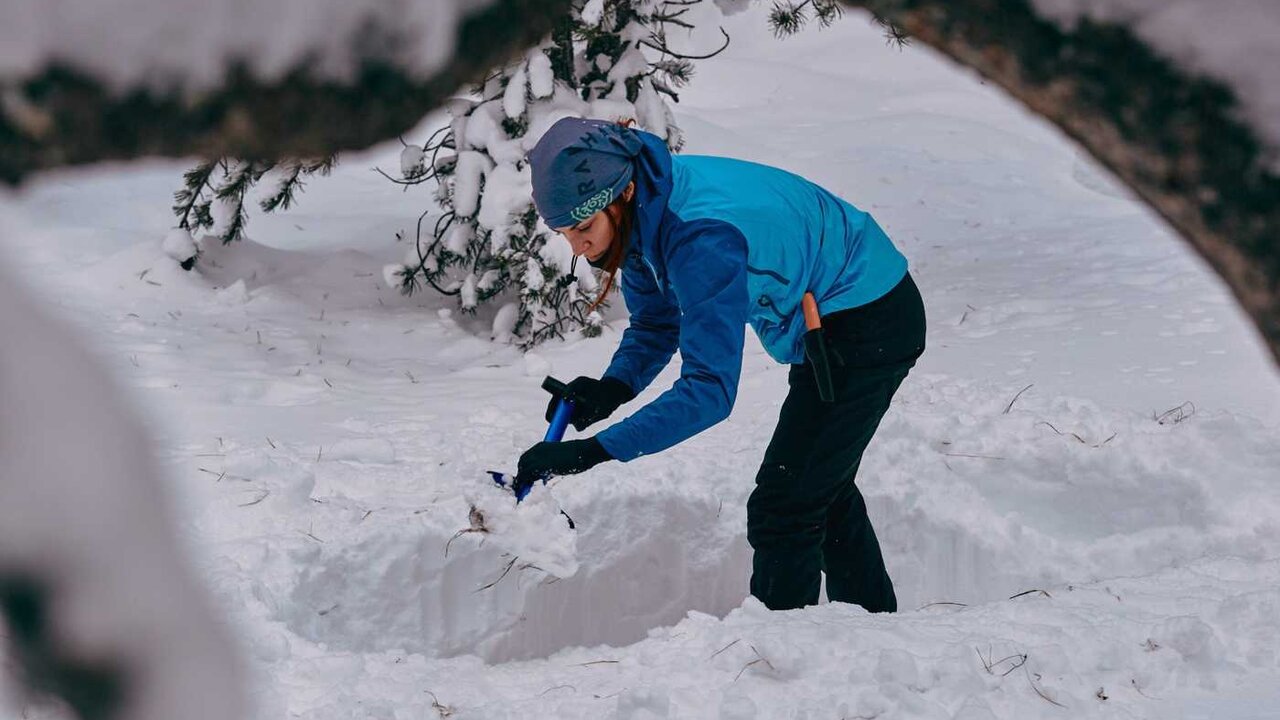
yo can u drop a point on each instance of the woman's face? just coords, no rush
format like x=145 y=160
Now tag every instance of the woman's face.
x=593 y=237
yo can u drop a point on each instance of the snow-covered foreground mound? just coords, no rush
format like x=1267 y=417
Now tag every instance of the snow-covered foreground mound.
x=1061 y=545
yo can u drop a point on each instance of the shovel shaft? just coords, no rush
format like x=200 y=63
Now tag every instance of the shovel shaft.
x=520 y=486
x=559 y=421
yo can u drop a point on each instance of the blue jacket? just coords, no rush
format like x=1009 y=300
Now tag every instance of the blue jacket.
x=718 y=244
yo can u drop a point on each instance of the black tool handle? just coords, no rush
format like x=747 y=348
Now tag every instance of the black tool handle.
x=815 y=348
x=557 y=388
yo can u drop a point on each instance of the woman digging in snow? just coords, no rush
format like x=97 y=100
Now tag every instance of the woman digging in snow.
x=707 y=245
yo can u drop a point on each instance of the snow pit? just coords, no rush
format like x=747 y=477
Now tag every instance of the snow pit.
x=517 y=592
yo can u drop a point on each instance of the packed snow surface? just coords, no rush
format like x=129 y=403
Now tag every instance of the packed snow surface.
x=1076 y=489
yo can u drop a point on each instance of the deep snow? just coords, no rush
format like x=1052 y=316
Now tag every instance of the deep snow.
x=328 y=438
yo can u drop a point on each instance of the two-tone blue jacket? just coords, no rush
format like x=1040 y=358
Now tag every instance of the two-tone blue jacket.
x=718 y=244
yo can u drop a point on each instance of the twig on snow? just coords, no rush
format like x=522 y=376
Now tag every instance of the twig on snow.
x=1079 y=439
x=1028 y=592
x=726 y=647
x=1040 y=692
x=972 y=455
x=476 y=519
x=1018 y=660
x=444 y=710
x=260 y=498
x=599 y=662
x=1015 y=398
x=1173 y=416
x=943 y=602
x=557 y=687
x=1134 y=683
x=759 y=659
x=504 y=574
x=1056 y=430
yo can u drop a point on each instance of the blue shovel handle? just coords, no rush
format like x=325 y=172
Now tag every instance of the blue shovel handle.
x=555 y=433
x=559 y=421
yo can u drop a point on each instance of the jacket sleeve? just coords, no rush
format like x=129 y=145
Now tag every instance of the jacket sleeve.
x=707 y=267
x=653 y=335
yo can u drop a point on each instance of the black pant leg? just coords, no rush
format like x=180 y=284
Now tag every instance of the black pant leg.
x=806 y=511
x=786 y=521
x=852 y=559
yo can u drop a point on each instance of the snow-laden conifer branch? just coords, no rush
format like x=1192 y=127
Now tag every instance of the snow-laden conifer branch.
x=1192 y=125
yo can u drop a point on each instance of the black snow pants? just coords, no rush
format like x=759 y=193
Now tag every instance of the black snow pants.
x=806 y=516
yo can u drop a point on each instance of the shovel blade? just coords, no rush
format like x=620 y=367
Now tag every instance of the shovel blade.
x=519 y=489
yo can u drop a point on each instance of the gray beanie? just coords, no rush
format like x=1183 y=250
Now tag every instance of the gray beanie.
x=579 y=166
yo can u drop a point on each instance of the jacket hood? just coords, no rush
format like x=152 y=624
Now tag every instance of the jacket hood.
x=653 y=178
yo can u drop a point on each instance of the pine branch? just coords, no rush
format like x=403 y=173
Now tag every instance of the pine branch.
x=233 y=192
x=286 y=192
x=656 y=42
x=827 y=11
x=786 y=18
x=662 y=87
x=187 y=200
x=678 y=71
x=894 y=34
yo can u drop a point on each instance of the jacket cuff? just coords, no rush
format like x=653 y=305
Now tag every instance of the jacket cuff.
x=596 y=452
x=619 y=390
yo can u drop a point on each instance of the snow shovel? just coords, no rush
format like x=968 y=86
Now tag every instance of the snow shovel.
x=520 y=486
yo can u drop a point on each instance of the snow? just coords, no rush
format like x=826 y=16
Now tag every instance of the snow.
x=593 y=12
x=541 y=76
x=507 y=190
x=327 y=440
x=1233 y=41
x=504 y=322
x=459 y=235
x=484 y=130
x=513 y=98
x=179 y=245
x=472 y=167
x=412 y=158
x=79 y=494
x=191 y=44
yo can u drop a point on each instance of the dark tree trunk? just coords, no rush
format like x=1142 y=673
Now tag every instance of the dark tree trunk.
x=1174 y=137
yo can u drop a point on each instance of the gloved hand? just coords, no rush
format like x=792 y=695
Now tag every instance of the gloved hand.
x=547 y=459
x=593 y=400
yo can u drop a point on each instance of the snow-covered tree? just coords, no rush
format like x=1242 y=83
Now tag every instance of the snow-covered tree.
x=88 y=91
x=608 y=60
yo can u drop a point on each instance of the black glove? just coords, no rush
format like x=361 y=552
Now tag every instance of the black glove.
x=593 y=400
x=571 y=457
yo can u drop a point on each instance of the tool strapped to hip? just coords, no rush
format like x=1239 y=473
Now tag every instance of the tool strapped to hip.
x=815 y=348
